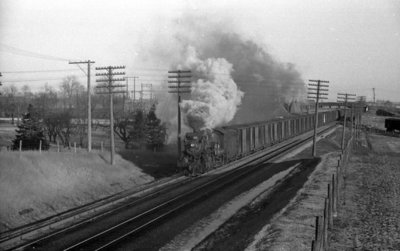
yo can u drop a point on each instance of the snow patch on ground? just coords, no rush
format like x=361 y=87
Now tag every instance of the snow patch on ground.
x=189 y=238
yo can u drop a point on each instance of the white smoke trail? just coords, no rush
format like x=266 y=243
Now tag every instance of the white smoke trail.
x=215 y=97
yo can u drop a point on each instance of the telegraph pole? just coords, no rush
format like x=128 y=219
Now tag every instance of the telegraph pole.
x=89 y=108
x=146 y=88
x=181 y=77
x=344 y=98
x=109 y=88
x=316 y=92
x=373 y=92
x=134 y=86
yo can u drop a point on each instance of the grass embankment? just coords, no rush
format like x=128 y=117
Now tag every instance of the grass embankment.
x=157 y=164
x=7 y=134
x=35 y=186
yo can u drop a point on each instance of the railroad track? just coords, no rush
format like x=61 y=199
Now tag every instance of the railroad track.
x=106 y=239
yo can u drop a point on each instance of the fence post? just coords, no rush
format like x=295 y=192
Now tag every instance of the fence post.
x=316 y=237
x=58 y=146
x=20 y=145
x=75 y=147
x=335 y=195
x=325 y=226
x=40 y=146
x=330 y=213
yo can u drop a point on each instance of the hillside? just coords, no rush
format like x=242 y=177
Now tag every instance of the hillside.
x=35 y=186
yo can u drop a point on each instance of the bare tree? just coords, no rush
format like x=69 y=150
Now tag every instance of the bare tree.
x=69 y=86
x=11 y=106
x=46 y=100
x=27 y=95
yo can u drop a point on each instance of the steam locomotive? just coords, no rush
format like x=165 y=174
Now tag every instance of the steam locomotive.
x=207 y=149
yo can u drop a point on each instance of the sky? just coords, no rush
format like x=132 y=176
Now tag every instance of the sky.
x=353 y=44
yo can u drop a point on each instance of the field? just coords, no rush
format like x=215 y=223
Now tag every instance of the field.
x=369 y=219
x=373 y=120
x=157 y=164
x=369 y=207
x=36 y=185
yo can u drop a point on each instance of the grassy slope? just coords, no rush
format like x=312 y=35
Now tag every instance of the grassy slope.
x=7 y=134
x=35 y=186
x=157 y=164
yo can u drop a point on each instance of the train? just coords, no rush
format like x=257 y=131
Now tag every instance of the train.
x=392 y=124
x=207 y=149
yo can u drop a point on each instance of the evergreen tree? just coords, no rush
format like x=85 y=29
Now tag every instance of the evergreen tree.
x=30 y=132
x=137 y=132
x=155 y=131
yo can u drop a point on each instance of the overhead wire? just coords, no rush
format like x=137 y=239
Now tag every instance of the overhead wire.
x=32 y=80
x=26 y=53
x=40 y=71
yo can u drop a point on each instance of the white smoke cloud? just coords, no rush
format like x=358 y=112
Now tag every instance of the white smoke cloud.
x=167 y=112
x=233 y=76
x=215 y=97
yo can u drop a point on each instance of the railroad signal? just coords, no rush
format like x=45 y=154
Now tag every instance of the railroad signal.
x=108 y=87
x=344 y=98
x=317 y=92
x=180 y=77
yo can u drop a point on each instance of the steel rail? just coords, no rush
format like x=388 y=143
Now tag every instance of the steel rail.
x=99 y=215
x=187 y=198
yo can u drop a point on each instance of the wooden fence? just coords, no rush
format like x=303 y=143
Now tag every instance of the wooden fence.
x=325 y=222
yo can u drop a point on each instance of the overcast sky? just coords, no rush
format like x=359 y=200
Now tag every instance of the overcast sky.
x=353 y=44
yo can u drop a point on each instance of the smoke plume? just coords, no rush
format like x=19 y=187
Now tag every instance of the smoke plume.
x=235 y=79
x=214 y=95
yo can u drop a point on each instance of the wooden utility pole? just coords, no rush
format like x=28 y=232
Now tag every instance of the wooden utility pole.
x=373 y=92
x=0 y=82
x=146 y=88
x=134 y=87
x=344 y=98
x=181 y=77
x=89 y=106
x=109 y=88
x=316 y=93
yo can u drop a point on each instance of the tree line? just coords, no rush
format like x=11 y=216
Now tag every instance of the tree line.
x=61 y=113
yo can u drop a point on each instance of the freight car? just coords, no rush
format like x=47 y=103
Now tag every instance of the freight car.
x=207 y=149
x=392 y=124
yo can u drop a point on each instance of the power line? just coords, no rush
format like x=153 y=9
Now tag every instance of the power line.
x=150 y=69
x=89 y=114
x=180 y=77
x=26 y=53
x=108 y=87
x=34 y=80
x=316 y=91
x=345 y=97
x=37 y=71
